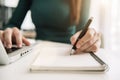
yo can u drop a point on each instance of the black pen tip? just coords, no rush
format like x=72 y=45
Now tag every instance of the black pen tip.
x=72 y=52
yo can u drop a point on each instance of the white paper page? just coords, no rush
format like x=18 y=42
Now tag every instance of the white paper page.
x=59 y=57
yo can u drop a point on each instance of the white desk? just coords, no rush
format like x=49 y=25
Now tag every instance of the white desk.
x=20 y=70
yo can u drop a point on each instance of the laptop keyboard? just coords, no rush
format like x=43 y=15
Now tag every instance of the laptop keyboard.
x=10 y=50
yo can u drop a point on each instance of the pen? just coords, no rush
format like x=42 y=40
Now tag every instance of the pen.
x=81 y=34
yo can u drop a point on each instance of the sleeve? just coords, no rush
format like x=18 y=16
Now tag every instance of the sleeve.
x=84 y=14
x=19 y=14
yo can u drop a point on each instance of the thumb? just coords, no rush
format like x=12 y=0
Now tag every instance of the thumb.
x=25 y=41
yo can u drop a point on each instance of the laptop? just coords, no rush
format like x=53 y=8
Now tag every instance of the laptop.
x=8 y=56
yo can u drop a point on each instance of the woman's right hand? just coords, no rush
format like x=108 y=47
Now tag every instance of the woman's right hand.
x=13 y=35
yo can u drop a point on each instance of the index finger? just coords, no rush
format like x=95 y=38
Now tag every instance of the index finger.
x=89 y=35
x=18 y=37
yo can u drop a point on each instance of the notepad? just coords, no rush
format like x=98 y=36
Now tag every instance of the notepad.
x=56 y=57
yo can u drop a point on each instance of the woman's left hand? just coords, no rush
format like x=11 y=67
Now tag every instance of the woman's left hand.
x=91 y=41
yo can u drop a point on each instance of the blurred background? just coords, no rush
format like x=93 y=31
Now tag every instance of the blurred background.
x=106 y=15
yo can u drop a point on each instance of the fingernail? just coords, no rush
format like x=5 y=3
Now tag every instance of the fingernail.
x=9 y=46
x=19 y=45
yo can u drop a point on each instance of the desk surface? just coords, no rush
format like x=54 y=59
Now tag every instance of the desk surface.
x=19 y=70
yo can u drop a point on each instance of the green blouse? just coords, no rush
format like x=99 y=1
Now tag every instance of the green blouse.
x=50 y=17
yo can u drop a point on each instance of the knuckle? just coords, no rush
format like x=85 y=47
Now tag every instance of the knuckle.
x=1 y=31
x=89 y=35
x=80 y=42
x=90 y=42
x=17 y=33
x=15 y=28
x=7 y=31
x=8 y=28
